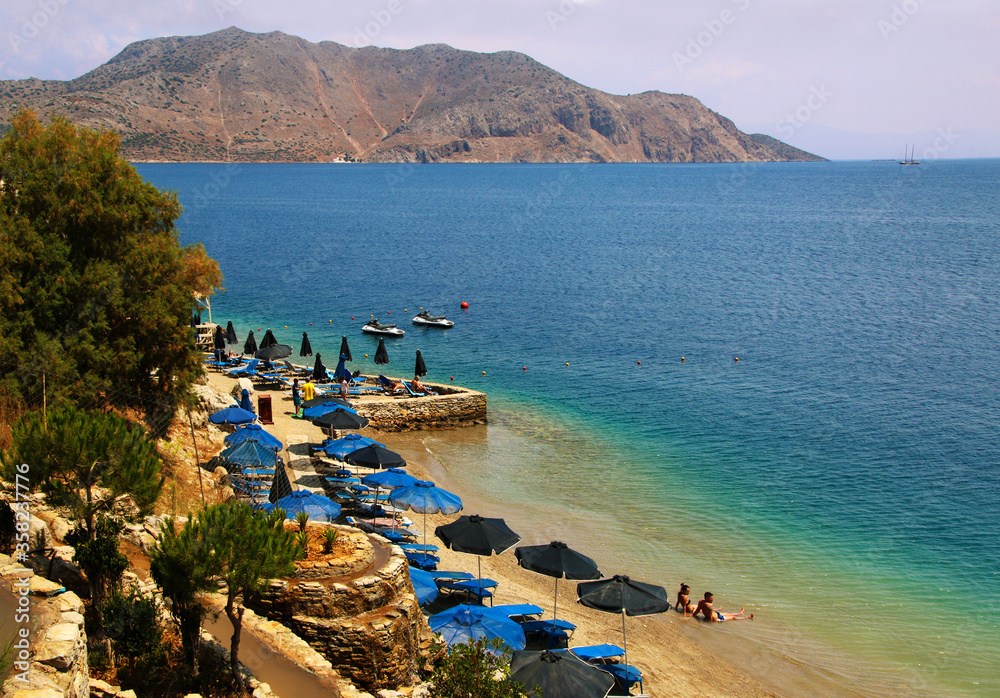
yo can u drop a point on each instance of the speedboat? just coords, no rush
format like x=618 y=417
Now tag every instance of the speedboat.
x=425 y=318
x=376 y=327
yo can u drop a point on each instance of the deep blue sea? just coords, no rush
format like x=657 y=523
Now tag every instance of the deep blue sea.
x=841 y=479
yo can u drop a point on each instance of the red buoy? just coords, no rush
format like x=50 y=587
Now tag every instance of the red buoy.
x=524 y=368
x=453 y=377
x=639 y=362
x=465 y=306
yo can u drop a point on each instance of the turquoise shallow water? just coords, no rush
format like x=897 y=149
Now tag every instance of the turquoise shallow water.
x=841 y=479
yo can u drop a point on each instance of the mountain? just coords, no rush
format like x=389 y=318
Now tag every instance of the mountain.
x=234 y=95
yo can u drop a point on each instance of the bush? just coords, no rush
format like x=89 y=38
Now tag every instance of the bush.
x=329 y=538
x=479 y=669
x=302 y=518
x=131 y=621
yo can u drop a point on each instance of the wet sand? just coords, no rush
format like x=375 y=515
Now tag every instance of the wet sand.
x=678 y=656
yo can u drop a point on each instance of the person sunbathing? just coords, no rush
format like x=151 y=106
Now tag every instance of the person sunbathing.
x=394 y=387
x=419 y=387
x=684 y=604
x=713 y=615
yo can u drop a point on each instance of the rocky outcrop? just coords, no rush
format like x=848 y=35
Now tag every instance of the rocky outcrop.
x=236 y=96
x=452 y=407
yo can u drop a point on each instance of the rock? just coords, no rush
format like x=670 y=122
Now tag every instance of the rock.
x=60 y=528
x=39 y=535
x=38 y=586
x=127 y=694
x=102 y=689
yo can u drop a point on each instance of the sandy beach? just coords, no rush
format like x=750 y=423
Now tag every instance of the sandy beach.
x=678 y=656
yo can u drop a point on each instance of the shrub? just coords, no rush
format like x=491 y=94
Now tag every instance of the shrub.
x=329 y=538
x=479 y=669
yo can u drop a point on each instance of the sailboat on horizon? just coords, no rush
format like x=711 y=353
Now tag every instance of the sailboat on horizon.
x=909 y=160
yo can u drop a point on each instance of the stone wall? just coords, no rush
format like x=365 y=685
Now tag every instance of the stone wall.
x=454 y=407
x=56 y=665
x=371 y=628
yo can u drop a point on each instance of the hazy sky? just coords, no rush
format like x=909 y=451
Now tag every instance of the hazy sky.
x=784 y=66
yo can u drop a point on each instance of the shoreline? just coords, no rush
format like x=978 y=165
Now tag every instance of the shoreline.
x=674 y=654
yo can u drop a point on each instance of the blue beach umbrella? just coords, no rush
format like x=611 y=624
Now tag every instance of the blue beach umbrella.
x=390 y=479
x=465 y=623
x=341 y=370
x=245 y=403
x=424 y=585
x=424 y=497
x=347 y=444
x=253 y=432
x=233 y=415
x=250 y=454
x=317 y=411
x=318 y=507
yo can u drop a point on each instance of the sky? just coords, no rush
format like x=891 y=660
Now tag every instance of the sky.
x=844 y=78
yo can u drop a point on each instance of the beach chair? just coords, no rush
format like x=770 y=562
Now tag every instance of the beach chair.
x=547 y=633
x=249 y=369
x=387 y=384
x=478 y=589
x=519 y=612
x=608 y=658
x=412 y=392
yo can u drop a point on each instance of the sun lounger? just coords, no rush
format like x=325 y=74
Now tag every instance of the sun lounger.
x=474 y=588
x=519 y=610
x=548 y=633
x=607 y=658
x=412 y=392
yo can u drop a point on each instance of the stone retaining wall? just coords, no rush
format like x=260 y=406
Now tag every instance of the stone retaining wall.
x=371 y=629
x=57 y=662
x=453 y=408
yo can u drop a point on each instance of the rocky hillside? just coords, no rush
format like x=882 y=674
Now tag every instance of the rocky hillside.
x=233 y=95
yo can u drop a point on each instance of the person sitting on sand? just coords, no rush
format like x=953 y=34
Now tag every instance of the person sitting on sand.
x=684 y=604
x=717 y=616
x=419 y=387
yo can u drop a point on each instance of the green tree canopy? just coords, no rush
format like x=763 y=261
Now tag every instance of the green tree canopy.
x=94 y=288
x=88 y=458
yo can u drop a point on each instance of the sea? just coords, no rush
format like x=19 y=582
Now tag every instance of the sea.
x=777 y=382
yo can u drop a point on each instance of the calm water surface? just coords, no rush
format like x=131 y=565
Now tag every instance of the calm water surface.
x=840 y=479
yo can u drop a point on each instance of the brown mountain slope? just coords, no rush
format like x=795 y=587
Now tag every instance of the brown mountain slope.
x=233 y=95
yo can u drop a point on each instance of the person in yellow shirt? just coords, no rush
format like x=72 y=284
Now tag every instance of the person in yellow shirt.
x=309 y=390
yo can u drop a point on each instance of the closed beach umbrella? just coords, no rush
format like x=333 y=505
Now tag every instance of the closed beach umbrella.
x=559 y=674
x=381 y=355
x=250 y=454
x=318 y=507
x=319 y=369
x=424 y=585
x=344 y=349
x=306 y=349
x=245 y=401
x=253 y=432
x=269 y=340
x=341 y=371
x=250 y=346
x=557 y=560
x=231 y=333
x=467 y=623
x=425 y=498
x=619 y=594
x=340 y=418
x=419 y=369
x=232 y=415
x=219 y=339
x=375 y=457
x=478 y=536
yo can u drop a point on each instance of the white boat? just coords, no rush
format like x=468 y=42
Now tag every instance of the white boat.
x=428 y=320
x=376 y=327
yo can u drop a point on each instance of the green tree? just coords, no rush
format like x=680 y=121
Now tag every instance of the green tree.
x=479 y=669
x=182 y=565
x=89 y=458
x=95 y=290
x=225 y=541
x=100 y=559
x=249 y=550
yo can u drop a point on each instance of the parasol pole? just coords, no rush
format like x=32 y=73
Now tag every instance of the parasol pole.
x=625 y=642
x=555 y=605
